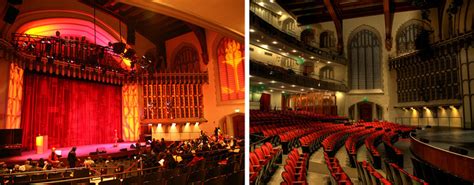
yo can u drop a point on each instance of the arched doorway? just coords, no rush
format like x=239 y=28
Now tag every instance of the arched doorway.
x=367 y=111
x=234 y=125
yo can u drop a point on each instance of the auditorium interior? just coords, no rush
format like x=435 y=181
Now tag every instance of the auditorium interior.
x=361 y=92
x=122 y=92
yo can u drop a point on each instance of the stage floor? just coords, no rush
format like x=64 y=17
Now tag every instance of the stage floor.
x=442 y=137
x=81 y=152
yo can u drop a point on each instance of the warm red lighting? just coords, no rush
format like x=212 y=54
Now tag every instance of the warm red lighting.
x=68 y=27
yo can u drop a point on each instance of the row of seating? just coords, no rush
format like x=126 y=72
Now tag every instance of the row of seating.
x=391 y=152
x=333 y=142
x=398 y=176
x=338 y=176
x=290 y=139
x=353 y=142
x=295 y=168
x=264 y=162
x=371 y=143
x=369 y=176
x=311 y=142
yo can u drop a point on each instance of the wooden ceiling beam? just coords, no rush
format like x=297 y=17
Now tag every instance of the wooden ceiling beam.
x=388 y=16
x=337 y=19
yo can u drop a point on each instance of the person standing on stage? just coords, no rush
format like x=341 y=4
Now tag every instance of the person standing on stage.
x=72 y=158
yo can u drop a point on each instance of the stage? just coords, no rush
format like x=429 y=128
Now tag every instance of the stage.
x=442 y=137
x=81 y=152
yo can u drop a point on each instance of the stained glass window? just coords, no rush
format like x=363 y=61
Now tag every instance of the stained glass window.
x=230 y=57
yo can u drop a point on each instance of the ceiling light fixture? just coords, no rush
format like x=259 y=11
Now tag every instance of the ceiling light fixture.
x=274 y=42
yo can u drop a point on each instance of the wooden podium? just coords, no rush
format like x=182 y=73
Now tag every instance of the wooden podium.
x=41 y=144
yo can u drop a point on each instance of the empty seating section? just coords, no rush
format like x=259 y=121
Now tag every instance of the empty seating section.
x=353 y=142
x=311 y=142
x=398 y=176
x=295 y=168
x=337 y=175
x=368 y=175
x=333 y=142
x=290 y=130
x=264 y=161
x=371 y=143
x=392 y=153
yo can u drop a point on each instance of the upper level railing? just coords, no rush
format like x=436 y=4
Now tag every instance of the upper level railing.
x=72 y=50
x=284 y=75
x=269 y=30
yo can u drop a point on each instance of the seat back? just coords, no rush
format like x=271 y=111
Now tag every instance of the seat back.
x=110 y=182
x=178 y=180
x=220 y=180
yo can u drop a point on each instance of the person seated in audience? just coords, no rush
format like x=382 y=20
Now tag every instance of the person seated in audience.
x=89 y=162
x=27 y=166
x=3 y=168
x=40 y=164
x=170 y=163
x=48 y=166
x=197 y=157
x=53 y=157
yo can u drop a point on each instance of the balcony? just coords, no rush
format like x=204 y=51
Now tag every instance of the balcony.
x=290 y=77
x=269 y=30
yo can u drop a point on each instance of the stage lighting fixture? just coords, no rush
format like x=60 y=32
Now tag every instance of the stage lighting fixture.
x=118 y=47
x=83 y=67
x=130 y=53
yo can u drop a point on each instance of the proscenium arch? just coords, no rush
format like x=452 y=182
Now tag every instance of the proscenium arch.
x=354 y=33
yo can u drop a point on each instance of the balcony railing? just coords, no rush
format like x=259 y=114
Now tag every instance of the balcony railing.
x=72 y=50
x=269 y=30
x=289 y=76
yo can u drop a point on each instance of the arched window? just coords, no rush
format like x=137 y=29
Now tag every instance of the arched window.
x=289 y=26
x=326 y=72
x=324 y=40
x=407 y=34
x=186 y=60
x=230 y=58
x=307 y=36
x=365 y=55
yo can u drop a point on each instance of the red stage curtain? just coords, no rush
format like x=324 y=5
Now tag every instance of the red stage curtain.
x=70 y=112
